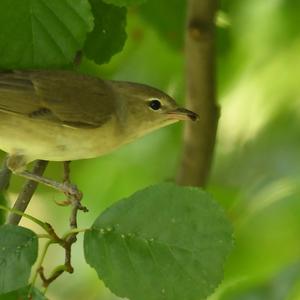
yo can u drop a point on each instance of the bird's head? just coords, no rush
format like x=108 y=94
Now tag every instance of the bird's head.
x=145 y=108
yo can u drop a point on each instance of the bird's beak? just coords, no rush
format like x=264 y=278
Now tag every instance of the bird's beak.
x=182 y=114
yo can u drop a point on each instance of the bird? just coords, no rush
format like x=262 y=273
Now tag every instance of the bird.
x=60 y=115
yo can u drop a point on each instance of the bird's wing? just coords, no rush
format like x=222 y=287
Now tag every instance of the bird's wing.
x=59 y=96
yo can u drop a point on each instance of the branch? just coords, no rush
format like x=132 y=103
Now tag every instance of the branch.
x=67 y=241
x=27 y=192
x=199 y=138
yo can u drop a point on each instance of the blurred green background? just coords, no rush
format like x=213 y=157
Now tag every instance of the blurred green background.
x=257 y=167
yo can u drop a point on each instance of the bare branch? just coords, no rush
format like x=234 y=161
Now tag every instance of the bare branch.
x=199 y=138
x=47 y=281
x=27 y=192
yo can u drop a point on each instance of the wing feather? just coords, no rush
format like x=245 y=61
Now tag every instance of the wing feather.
x=58 y=96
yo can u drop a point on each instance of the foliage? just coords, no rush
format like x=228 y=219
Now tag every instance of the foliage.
x=108 y=36
x=36 y=34
x=23 y=293
x=18 y=252
x=189 y=230
x=125 y=248
x=169 y=25
x=48 y=34
x=123 y=2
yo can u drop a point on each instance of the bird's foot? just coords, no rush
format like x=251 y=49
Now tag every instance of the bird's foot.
x=74 y=196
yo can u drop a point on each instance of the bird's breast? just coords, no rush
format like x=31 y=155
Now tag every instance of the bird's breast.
x=42 y=139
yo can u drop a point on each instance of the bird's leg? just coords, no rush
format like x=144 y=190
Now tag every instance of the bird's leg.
x=75 y=201
x=66 y=180
x=17 y=163
x=65 y=187
x=67 y=171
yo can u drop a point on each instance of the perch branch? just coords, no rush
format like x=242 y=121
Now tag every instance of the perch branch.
x=199 y=138
x=27 y=192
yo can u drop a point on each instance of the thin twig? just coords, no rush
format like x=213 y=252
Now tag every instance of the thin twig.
x=41 y=260
x=48 y=281
x=199 y=137
x=27 y=192
x=76 y=206
x=68 y=240
x=66 y=177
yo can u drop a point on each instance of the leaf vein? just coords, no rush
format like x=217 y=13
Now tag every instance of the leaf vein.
x=77 y=13
x=62 y=24
x=159 y=270
x=51 y=38
x=181 y=267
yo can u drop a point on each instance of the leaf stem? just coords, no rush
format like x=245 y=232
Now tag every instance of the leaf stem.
x=44 y=236
x=75 y=230
x=31 y=218
x=42 y=258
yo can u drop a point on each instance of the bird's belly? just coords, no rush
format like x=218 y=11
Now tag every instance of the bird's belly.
x=41 y=139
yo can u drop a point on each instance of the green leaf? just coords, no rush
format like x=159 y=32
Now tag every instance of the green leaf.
x=165 y=242
x=42 y=33
x=109 y=35
x=124 y=2
x=23 y=294
x=168 y=20
x=18 y=252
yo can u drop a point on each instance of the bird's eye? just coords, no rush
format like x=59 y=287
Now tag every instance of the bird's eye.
x=155 y=104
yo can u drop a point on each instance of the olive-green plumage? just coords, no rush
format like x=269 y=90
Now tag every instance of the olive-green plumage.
x=62 y=115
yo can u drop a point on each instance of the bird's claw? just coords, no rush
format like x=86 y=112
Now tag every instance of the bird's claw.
x=72 y=191
x=74 y=196
x=63 y=203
